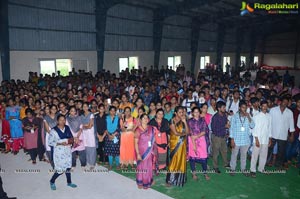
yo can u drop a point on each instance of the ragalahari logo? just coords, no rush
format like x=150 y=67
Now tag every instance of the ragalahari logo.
x=246 y=8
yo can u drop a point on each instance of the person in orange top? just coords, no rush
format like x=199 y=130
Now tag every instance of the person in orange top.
x=125 y=103
x=127 y=153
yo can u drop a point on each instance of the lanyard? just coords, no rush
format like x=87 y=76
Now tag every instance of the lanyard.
x=242 y=122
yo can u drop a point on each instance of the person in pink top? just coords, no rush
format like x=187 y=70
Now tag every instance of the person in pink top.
x=197 y=149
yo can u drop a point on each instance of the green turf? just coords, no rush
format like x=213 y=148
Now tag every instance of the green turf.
x=224 y=186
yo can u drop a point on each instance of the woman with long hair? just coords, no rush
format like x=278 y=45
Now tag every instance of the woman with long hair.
x=50 y=122
x=112 y=138
x=177 y=166
x=33 y=136
x=89 y=135
x=161 y=137
x=197 y=147
x=12 y=115
x=61 y=140
x=127 y=125
x=74 y=121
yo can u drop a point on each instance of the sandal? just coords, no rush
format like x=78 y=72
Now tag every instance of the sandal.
x=207 y=177
x=195 y=178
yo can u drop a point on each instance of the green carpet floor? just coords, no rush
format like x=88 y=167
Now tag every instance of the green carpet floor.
x=224 y=186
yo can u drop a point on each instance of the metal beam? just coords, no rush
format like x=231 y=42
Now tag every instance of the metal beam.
x=158 y=23
x=220 y=43
x=296 y=49
x=4 y=40
x=239 y=40
x=252 y=41
x=101 y=14
x=194 y=42
x=176 y=8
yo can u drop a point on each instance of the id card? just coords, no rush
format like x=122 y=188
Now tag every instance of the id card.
x=159 y=135
x=242 y=129
x=32 y=130
x=149 y=143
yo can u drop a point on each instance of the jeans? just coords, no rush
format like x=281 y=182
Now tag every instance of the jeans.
x=291 y=149
x=203 y=163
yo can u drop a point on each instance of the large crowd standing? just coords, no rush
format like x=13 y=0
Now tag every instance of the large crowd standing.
x=153 y=120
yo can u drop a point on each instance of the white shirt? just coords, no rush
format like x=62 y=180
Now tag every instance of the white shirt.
x=234 y=106
x=281 y=123
x=263 y=127
x=254 y=112
x=195 y=95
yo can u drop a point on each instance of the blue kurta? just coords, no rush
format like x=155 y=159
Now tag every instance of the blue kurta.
x=15 y=124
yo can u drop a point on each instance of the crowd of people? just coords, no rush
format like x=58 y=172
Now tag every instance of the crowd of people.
x=153 y=120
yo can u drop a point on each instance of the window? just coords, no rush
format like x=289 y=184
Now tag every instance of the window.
x=243 y=61
x=226 y=60
x=128 y=62
x=255 y=60
x=203 y=61
x=54 y=65
x=174 y=62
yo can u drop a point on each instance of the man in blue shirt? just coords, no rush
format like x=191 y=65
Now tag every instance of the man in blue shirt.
x=240 y=126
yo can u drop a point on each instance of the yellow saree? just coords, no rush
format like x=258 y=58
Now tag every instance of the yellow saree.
x=177 y=167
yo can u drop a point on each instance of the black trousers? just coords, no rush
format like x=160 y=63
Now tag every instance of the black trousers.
x=101 y=153
x=281 y=155
x=36 y=152
x=56 y=175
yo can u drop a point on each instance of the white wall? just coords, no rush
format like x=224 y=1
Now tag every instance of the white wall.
x=21 y=62
x=185 y=58
x=111 y=59
x=281 y=60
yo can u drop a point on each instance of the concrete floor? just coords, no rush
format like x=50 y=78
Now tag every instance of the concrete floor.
x=33 y=183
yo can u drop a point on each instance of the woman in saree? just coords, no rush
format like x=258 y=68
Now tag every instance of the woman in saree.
x=146 y=152
x=89 y=138
x=75 y=123
x=12 y=114
x=161 y=137
x=127 y=125
x=34 y=136
x=197 y=149
x=177 y=166
x=61 y=140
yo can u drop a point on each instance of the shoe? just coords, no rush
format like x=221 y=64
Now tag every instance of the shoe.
x=52 y=186
x=72 y=185
x=246 y=174
x=227 y=166
x=253 y=174
x=232 y=172
x=217 y=170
